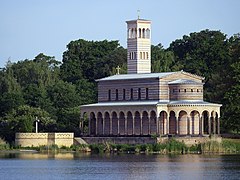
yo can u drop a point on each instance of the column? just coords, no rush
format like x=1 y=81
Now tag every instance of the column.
x=96 y=125
x=125 y=128
x=133 y=125
x=214 y=125
x=141 y=125
x=157 y=119
x=110 y=116
x=200 y=125
x=209 y=125
x=89 y=126
x=218 y=119
x=149 y=125
x=167 y=125
x=159 y=123
x=188 y=126
x=118 y=125
x=103 y=128
x=177 y=125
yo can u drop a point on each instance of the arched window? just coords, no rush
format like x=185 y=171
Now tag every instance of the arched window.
x=116 y=94
x=143 y=33
x=109 y=95
x=135 y=32
x=148 y=33
x=143 y=55
x=132 y=33
x=146 y=93
x=139 y=33
x=129 y=33
x=139 y=93
x=185 y=90
x=147 y=55
x=131 y=95
x=124 y=94
x=140 y=55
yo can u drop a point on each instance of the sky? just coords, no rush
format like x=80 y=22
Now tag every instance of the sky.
x=30 y=27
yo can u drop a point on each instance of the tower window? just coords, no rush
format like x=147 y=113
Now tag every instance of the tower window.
x=143 y=55
x=140 y=55
x=139 y=93
x=143 y=33
x=116 y=94
x=124 y=94
x=147 y=55
x=185 y=90
x=146 y=93
x=109 y=95
x=191 y=90
x=148 y=33
x=132 y=33
x=131 y=95
x=139 y=33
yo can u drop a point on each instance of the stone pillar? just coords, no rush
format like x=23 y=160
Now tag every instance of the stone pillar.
x=202 y=130
x=149 y=125
x=118 y=125
x=125 y=128
x=200 y=125
x=141 y=126
x=96 y=126
x=188 y=126
x=103 y=127
x=177 y=125
x=157 y=119
x=218 y=119
x=167 y=125
x=110 y=124
x=89 y=126
x=214 y=125
x=133 y=125
x=209 y=125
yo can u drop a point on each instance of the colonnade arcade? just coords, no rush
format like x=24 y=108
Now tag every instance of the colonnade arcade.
x=145 y=123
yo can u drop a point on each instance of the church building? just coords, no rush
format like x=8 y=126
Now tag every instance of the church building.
x=141 y=103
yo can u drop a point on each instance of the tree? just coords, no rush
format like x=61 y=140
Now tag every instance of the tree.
x=22 y=119
x=231 y=108
x=88 y=59
x=162 y=60
x=205 y=53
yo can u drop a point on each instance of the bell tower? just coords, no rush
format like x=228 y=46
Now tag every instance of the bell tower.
x=139 y=46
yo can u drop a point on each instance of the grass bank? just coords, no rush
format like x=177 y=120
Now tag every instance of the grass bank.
x=227 y=146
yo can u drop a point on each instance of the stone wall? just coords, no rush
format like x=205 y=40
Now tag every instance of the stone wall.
x=145 y=140
x=190 y=140
x=46 y=139
x=119 y=140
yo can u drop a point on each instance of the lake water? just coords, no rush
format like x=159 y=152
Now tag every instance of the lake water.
x=125 y=166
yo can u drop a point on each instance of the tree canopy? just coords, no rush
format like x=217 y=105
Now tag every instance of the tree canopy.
x=54 y=90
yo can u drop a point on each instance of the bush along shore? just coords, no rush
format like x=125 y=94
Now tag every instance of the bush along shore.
x=227 y=146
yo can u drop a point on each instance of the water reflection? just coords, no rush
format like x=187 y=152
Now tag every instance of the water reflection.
x=124 y=166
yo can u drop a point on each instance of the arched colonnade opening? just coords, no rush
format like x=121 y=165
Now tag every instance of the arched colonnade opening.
x=148 y=123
